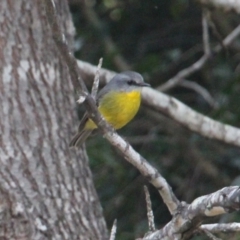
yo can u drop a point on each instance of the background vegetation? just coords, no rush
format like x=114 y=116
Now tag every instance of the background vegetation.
x=158 y=39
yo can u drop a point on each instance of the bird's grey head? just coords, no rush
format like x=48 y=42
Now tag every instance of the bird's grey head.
x=128 y=81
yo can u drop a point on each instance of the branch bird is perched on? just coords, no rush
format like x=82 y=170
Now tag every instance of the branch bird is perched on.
x=118 y=102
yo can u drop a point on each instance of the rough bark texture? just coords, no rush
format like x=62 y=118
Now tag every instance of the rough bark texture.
x=46 y=189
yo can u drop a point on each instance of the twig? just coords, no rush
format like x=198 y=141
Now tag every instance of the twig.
x=210 y=235
x=228 y=40
x=200 y=90
x=109 y=44
x=96 y=80
x=206 y=42
x=113 y=230
x=150 y=215
x=88 y=71
x=216 y=32
x=172 y=82
x=198 y=64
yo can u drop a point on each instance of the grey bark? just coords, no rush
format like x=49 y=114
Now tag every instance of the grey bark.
x=46 y=189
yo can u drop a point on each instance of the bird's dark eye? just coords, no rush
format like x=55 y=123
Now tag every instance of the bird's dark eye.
x=131 y=82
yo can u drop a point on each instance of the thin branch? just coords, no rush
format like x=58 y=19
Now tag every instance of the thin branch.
x=200 y=63
x=113 y=230
x=125 y=148
x=228 y=40
x=148 y=171
x=200 y=90
x=215 y=31
x=210 y=235
x=88 y=71
x=110 y=46
x=172 y=82
x=150 y=215
x=96 y=80
x=206 y=41
x=191 y=119
x=221 y=227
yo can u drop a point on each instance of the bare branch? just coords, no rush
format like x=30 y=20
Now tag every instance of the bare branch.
x=113 y=230
x=200 y=90
x=228 y=40
x=198 y=64
x=191 y=119
x=172 y=82
x=210 y=235
x=206 y=41
x=221 y=227
x=222 y=201
x=108 y=42
x=150 y=215
x=148 y=171
x=215 y=31
x=226 y=5
x=96 y=80
x=190 y=216
x=88 y=72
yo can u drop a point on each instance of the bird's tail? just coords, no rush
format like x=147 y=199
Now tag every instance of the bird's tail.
x=80 y=138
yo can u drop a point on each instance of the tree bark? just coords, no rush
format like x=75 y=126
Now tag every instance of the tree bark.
x=46 y=189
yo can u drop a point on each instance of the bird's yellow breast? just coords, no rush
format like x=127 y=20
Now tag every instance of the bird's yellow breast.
x=118 y=108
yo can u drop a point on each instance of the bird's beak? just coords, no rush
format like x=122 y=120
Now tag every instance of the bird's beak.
x=143 y=84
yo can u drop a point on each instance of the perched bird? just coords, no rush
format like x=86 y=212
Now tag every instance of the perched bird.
x=118 y=102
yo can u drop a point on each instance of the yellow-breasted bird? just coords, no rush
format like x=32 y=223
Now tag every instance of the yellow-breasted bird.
x=118 y=102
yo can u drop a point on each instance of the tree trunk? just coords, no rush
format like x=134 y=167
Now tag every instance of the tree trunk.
x=46 y=189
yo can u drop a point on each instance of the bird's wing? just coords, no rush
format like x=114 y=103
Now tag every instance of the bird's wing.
x=102 y=92
x=85 y=116
x=83 y=122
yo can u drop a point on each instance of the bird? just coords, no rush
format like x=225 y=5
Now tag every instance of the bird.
x=118 y=102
